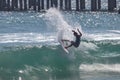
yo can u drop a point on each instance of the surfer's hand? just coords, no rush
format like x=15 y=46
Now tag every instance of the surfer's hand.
x=73 y=31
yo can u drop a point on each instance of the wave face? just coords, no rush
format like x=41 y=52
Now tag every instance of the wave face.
x=36 y=61
x=29 y=47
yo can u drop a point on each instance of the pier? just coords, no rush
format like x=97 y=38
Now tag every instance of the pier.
x=66 y=5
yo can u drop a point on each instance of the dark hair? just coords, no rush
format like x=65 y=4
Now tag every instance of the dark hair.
x=75 y=33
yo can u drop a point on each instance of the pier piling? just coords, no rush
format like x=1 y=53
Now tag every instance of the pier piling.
x=21 y=4
x=8 y=5
x=40 y=5
x=34 y=5
x=99 y=4
x=77 y=5
x=61 y=4
x=25 y=4
x=82 y=4
x=93 y=5
x=111 y=5
x=48 y=2
x=67 y=5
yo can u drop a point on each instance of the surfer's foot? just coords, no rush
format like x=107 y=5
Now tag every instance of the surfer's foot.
x=66 y=47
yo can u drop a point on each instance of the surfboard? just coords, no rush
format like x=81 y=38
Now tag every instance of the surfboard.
x=62 y=44
x=60 y=37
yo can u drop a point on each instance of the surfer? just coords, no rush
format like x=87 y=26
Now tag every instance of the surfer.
x=75 y=43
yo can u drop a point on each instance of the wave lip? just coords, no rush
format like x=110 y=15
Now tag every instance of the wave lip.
x=98 y=67
x=25 y=38
x=105 y=36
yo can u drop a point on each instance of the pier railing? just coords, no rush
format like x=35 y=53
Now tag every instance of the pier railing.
x=42 y=5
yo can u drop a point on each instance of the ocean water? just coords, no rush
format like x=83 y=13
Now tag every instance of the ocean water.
x=29 y=47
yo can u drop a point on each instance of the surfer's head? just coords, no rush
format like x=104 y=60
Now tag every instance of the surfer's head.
x=75 y=33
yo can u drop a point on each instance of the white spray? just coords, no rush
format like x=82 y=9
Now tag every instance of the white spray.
x=55 y=19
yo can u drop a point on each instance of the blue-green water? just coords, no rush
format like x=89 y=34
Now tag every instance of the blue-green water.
x=29 y=49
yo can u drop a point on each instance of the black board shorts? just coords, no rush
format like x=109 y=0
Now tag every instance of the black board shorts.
x=75 y=44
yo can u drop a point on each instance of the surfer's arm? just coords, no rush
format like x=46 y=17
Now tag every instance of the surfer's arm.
x=73 y=30
x=79 y=32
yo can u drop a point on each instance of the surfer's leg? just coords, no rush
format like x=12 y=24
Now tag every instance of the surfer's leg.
x=68 y=46
x=72 y=42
